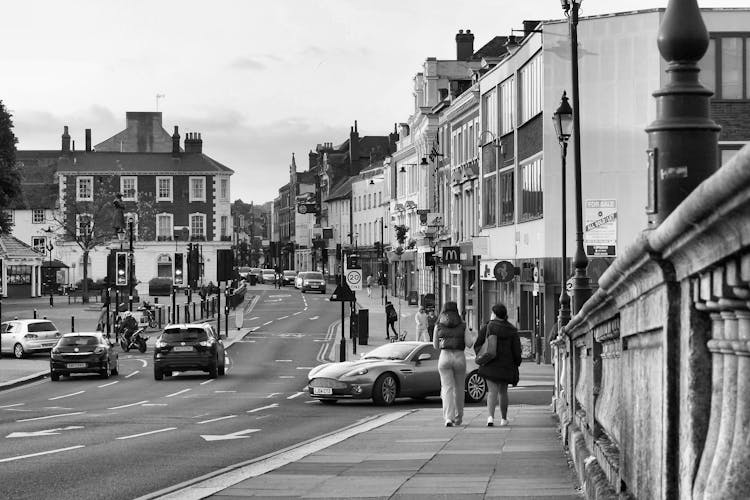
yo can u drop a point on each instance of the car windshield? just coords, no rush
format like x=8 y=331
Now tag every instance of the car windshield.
x=395 y=350
x=289 y=273
x=79 y=340
x=42 y=326
x=314 y=276
x=268 y=271
x=184 y=334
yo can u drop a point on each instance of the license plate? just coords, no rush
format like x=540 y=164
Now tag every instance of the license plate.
x=76 y=365
x=322 y=391
x=181 y=348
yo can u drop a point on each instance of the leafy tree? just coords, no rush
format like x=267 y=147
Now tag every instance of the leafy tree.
x=90 y=223
x=10 y=179
x=401 y=231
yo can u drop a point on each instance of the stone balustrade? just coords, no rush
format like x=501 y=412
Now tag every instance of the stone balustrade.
x=653 y=373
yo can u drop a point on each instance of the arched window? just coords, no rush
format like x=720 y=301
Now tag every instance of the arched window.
x=164 y=266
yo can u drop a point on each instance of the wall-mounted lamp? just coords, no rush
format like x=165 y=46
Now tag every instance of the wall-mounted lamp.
x=402 y=169
x=495 y=141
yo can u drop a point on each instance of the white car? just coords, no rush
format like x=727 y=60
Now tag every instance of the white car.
x=268 y=276
x=27 y=336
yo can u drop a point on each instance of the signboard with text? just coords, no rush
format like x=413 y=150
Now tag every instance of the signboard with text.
x=600 y=228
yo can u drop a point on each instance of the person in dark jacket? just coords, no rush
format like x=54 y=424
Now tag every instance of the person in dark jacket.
x=449 y=337
x=503 y=368
x=391 y=316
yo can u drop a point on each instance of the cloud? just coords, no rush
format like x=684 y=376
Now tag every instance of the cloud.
x=248 y=64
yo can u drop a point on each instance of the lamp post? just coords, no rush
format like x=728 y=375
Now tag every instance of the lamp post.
x=130 y=266
x=49 y=247
x=581 y=288
x=563 y=121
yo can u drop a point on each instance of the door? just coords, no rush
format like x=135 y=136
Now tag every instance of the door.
x=425 y=378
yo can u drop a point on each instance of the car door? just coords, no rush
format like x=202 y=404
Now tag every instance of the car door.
x=425 y=379
x=4 y=337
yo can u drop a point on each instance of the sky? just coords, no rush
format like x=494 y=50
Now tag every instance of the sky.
x=260 y=80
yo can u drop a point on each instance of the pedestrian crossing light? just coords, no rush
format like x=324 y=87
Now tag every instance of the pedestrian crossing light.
x=121 y=266
x=179 y=277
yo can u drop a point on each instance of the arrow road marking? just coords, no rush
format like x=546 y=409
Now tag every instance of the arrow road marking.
x=263 y=408
x=50 y=416
x=66 y=395
x=177 y=393
x=147 y=433
x=19 y=457
x=295 y=395
x=127 y=405
x=217 y=419
x=46 y=432
x=234 y=435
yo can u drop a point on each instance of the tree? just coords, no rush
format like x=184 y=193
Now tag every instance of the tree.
x=401 y=231
x=10 y=179
x=90 y=224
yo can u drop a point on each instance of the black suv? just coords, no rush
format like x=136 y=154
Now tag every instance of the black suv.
x=189 y=346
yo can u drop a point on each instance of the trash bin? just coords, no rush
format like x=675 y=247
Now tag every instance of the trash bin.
x=413 y=298
x=253 y=279
x=364 y=326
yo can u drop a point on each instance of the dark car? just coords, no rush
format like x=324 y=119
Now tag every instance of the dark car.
x=88 y=352
x=313 y=281
x=288 y=277
x=189 y=346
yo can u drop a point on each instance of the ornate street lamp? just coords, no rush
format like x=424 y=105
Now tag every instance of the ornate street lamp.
x=49 y=247
x=563 y=121
x=130 y=265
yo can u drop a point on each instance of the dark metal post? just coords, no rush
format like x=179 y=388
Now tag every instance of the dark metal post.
x=174 y=303
x=130 y=266
x=72 y=323
x=218 y=309
x=342 y=345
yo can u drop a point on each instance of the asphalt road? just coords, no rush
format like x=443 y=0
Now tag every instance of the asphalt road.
x=85 y=437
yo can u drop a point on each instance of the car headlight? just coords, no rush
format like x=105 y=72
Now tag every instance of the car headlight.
x=205 y=343
x=159 y=344
x=358 y=371
x=99 y=350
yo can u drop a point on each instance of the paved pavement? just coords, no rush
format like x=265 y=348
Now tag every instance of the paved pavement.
x=397 y=454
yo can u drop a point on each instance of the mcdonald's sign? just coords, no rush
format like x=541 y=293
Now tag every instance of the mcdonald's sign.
x=451 y=255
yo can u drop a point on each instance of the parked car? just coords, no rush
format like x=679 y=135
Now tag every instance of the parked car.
x=258 y=273
x=313 y=280
x=268 y=276
x=288 y=277
x=394 y=370
x=244 y=272
x=189 y=346
x=84 y=352
x=23 y=337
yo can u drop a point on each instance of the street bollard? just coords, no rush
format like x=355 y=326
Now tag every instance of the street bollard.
x=158 y=312
x=177 y=312
x=72 y=324
x=194 y=316
x=187 y=314
x=34 y=313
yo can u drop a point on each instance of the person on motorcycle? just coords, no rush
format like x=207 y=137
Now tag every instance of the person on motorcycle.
x=128 y=326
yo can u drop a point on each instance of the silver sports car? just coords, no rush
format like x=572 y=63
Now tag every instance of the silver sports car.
x=398 y=369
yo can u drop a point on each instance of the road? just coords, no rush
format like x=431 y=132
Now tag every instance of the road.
x=85 y=437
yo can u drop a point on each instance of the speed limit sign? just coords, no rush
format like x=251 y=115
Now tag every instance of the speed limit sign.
x=354 y=279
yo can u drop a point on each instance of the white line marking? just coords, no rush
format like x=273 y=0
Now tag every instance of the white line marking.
x=131 y=374
x=253 y=318
x=19 y=457
x=267 y=323
x=50 y=416
x=128 y=405
x=264 y=408
x=145 y=363
x=283 y=360
x=305 y=367
x=66 y=395
x=283 y=317
x=273 y=395
x=254 y=328
x=262 y=416
x=207 y=381
x=298 y=312
x=176 y=393
x=110 y=383
x=286 y=376
x=223 y=392
x=11 y=406
x=147 y=433
x=295 y=395
x=154 y=404
x=217 y=419
x=314 y=318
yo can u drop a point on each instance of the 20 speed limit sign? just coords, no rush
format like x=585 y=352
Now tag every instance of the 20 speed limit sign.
x=354 y=279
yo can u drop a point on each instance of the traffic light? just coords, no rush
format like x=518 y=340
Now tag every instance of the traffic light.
x=121 y=266
x=429 y=259
x=353 y=262
x=179 y=277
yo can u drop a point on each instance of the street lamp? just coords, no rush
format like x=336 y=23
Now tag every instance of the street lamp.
x=563 y=121
x=49 y=247
x=130 y=265
x=581 y=288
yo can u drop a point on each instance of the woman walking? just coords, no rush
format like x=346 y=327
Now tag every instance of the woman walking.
x=450 y=333
x=503 y=368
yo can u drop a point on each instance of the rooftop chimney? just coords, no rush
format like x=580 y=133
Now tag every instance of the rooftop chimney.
x=176 y=141
x=88 y=139
x=464 y=45
x=193 y=143
x=65 y=140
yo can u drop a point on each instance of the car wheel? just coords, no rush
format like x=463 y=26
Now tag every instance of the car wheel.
x=385 y=389
x=18 y=351
x=213 y=370
x=476 y=388
x=116 y=368
x=158 y=374
x=328 y=401
x=54 y=376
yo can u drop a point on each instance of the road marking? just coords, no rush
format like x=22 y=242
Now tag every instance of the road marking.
x=154 y=404
x=128 y=405
x=46 y=432
x=176 y=393
x=253 y=318
x=283 y=360
x=234 y=435
x=131 y=374
x=19 y=457
x=66 y=395
x=207 y=381
x=148 y=433
x=267 y=323
x=105 y=385
x=11 y=406
x=295 y=395
x=273 y=395
x=283 y=317
x=254 y=328
x=314 y=318
x=268 y=407
x=298 y=312
x=50 y=416
x=217 y=419
x=305 y=367
x=286 y=376
x=223 y=392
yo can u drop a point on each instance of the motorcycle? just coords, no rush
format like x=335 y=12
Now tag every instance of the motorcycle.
x=137 y=341
x=148 y=312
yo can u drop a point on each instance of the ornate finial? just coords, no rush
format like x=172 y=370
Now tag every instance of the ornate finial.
x=682 y=35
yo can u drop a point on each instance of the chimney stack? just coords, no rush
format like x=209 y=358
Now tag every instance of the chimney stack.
x=193 y=143
x=464 y=45
x=88 y=140
x=176 y=142
x=65 y=140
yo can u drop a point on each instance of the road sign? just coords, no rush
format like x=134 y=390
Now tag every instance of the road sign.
x=504 y=271
x=354 y=279
x=342 y=294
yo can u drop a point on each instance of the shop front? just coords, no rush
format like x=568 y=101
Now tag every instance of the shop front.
x=21 y=268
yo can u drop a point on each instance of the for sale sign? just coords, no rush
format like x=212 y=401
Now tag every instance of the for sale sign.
x=600 y=228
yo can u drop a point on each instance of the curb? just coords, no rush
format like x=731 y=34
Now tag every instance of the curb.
x=23 y=380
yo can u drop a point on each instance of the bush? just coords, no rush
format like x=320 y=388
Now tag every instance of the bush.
x=79 y=284
x=160 y=287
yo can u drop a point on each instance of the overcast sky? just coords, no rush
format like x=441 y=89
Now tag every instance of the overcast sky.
x=259 y=79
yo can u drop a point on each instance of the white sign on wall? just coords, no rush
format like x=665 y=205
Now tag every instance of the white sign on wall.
x=600 y=228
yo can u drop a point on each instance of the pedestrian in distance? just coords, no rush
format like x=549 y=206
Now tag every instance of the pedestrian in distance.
x=502 y=369
x=369 y=283
x=391 y=316
x=431 y=321
x=420 y=318
x=451 y=339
